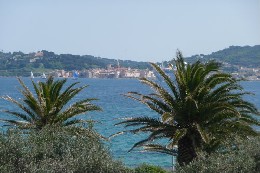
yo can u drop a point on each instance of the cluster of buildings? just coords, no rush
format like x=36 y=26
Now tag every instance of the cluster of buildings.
x=110 y=72
x=240 y=72
x=122 y=72
x=247 y=73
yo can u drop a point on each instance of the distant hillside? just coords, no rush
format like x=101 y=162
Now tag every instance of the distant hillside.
x=246 y=56
x=20 y=64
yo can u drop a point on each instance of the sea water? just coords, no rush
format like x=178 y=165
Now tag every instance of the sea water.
x=115 y=107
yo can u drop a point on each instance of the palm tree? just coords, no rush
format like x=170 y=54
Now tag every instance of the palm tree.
x=199 y=109
x=47 y=105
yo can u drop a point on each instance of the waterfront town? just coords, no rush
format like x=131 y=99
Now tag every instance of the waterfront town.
x=110 y=72
x=247 y=73
x=241 y=72
x=39 y=65
x=117 y=71
x=123 y=72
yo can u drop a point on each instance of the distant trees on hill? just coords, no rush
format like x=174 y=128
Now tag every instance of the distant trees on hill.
x=244 y=56
x=20 y=64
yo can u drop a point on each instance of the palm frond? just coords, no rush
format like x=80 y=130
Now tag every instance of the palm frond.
x=76 y=109
x=164 y=94
x=204 y=136
x=153 y=103
x=20 y=115
x=141 y=121
x=21 y=106
x=167 y=79
x=161 y=149
x=20 y=124
x=78 y=121
x=158 y=134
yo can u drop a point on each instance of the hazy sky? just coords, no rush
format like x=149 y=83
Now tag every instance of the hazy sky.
x=143 y=30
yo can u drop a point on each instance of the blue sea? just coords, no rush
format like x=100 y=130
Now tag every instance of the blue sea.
x=115 y=106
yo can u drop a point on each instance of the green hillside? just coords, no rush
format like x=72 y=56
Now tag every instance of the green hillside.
x=20 y=64
x=246 y=56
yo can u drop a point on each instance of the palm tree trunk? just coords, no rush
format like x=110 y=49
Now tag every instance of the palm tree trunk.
x=186 y=151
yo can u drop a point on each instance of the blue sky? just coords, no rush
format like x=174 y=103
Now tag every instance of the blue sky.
x=142 y=30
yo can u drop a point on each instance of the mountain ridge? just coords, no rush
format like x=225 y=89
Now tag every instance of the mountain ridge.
x=247 y=56
x=20 y=64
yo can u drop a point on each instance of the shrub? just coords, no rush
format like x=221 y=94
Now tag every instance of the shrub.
x=245 y=158
x=144 y=168
x=56 y=150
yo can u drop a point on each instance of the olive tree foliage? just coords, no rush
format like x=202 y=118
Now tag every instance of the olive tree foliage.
x=243 y=157
x=62 y=149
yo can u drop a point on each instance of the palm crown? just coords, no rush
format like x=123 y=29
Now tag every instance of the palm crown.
x=46 y=106
x=199 y=109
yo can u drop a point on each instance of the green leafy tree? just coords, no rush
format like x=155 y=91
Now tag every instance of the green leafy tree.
x=199 y=109
x=56 y=150
x=47 y=105
x=245 y=158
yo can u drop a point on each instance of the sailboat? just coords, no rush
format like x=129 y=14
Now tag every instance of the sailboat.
x=43 y=76
x=75 y=75
x=32 y=76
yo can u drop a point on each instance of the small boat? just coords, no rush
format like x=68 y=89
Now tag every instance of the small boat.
x=43 y=76
x=32 y=76
x=75 y=75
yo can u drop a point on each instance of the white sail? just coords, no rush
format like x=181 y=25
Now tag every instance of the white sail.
x=43 y=76
x=32 y=76
x=75 y=75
